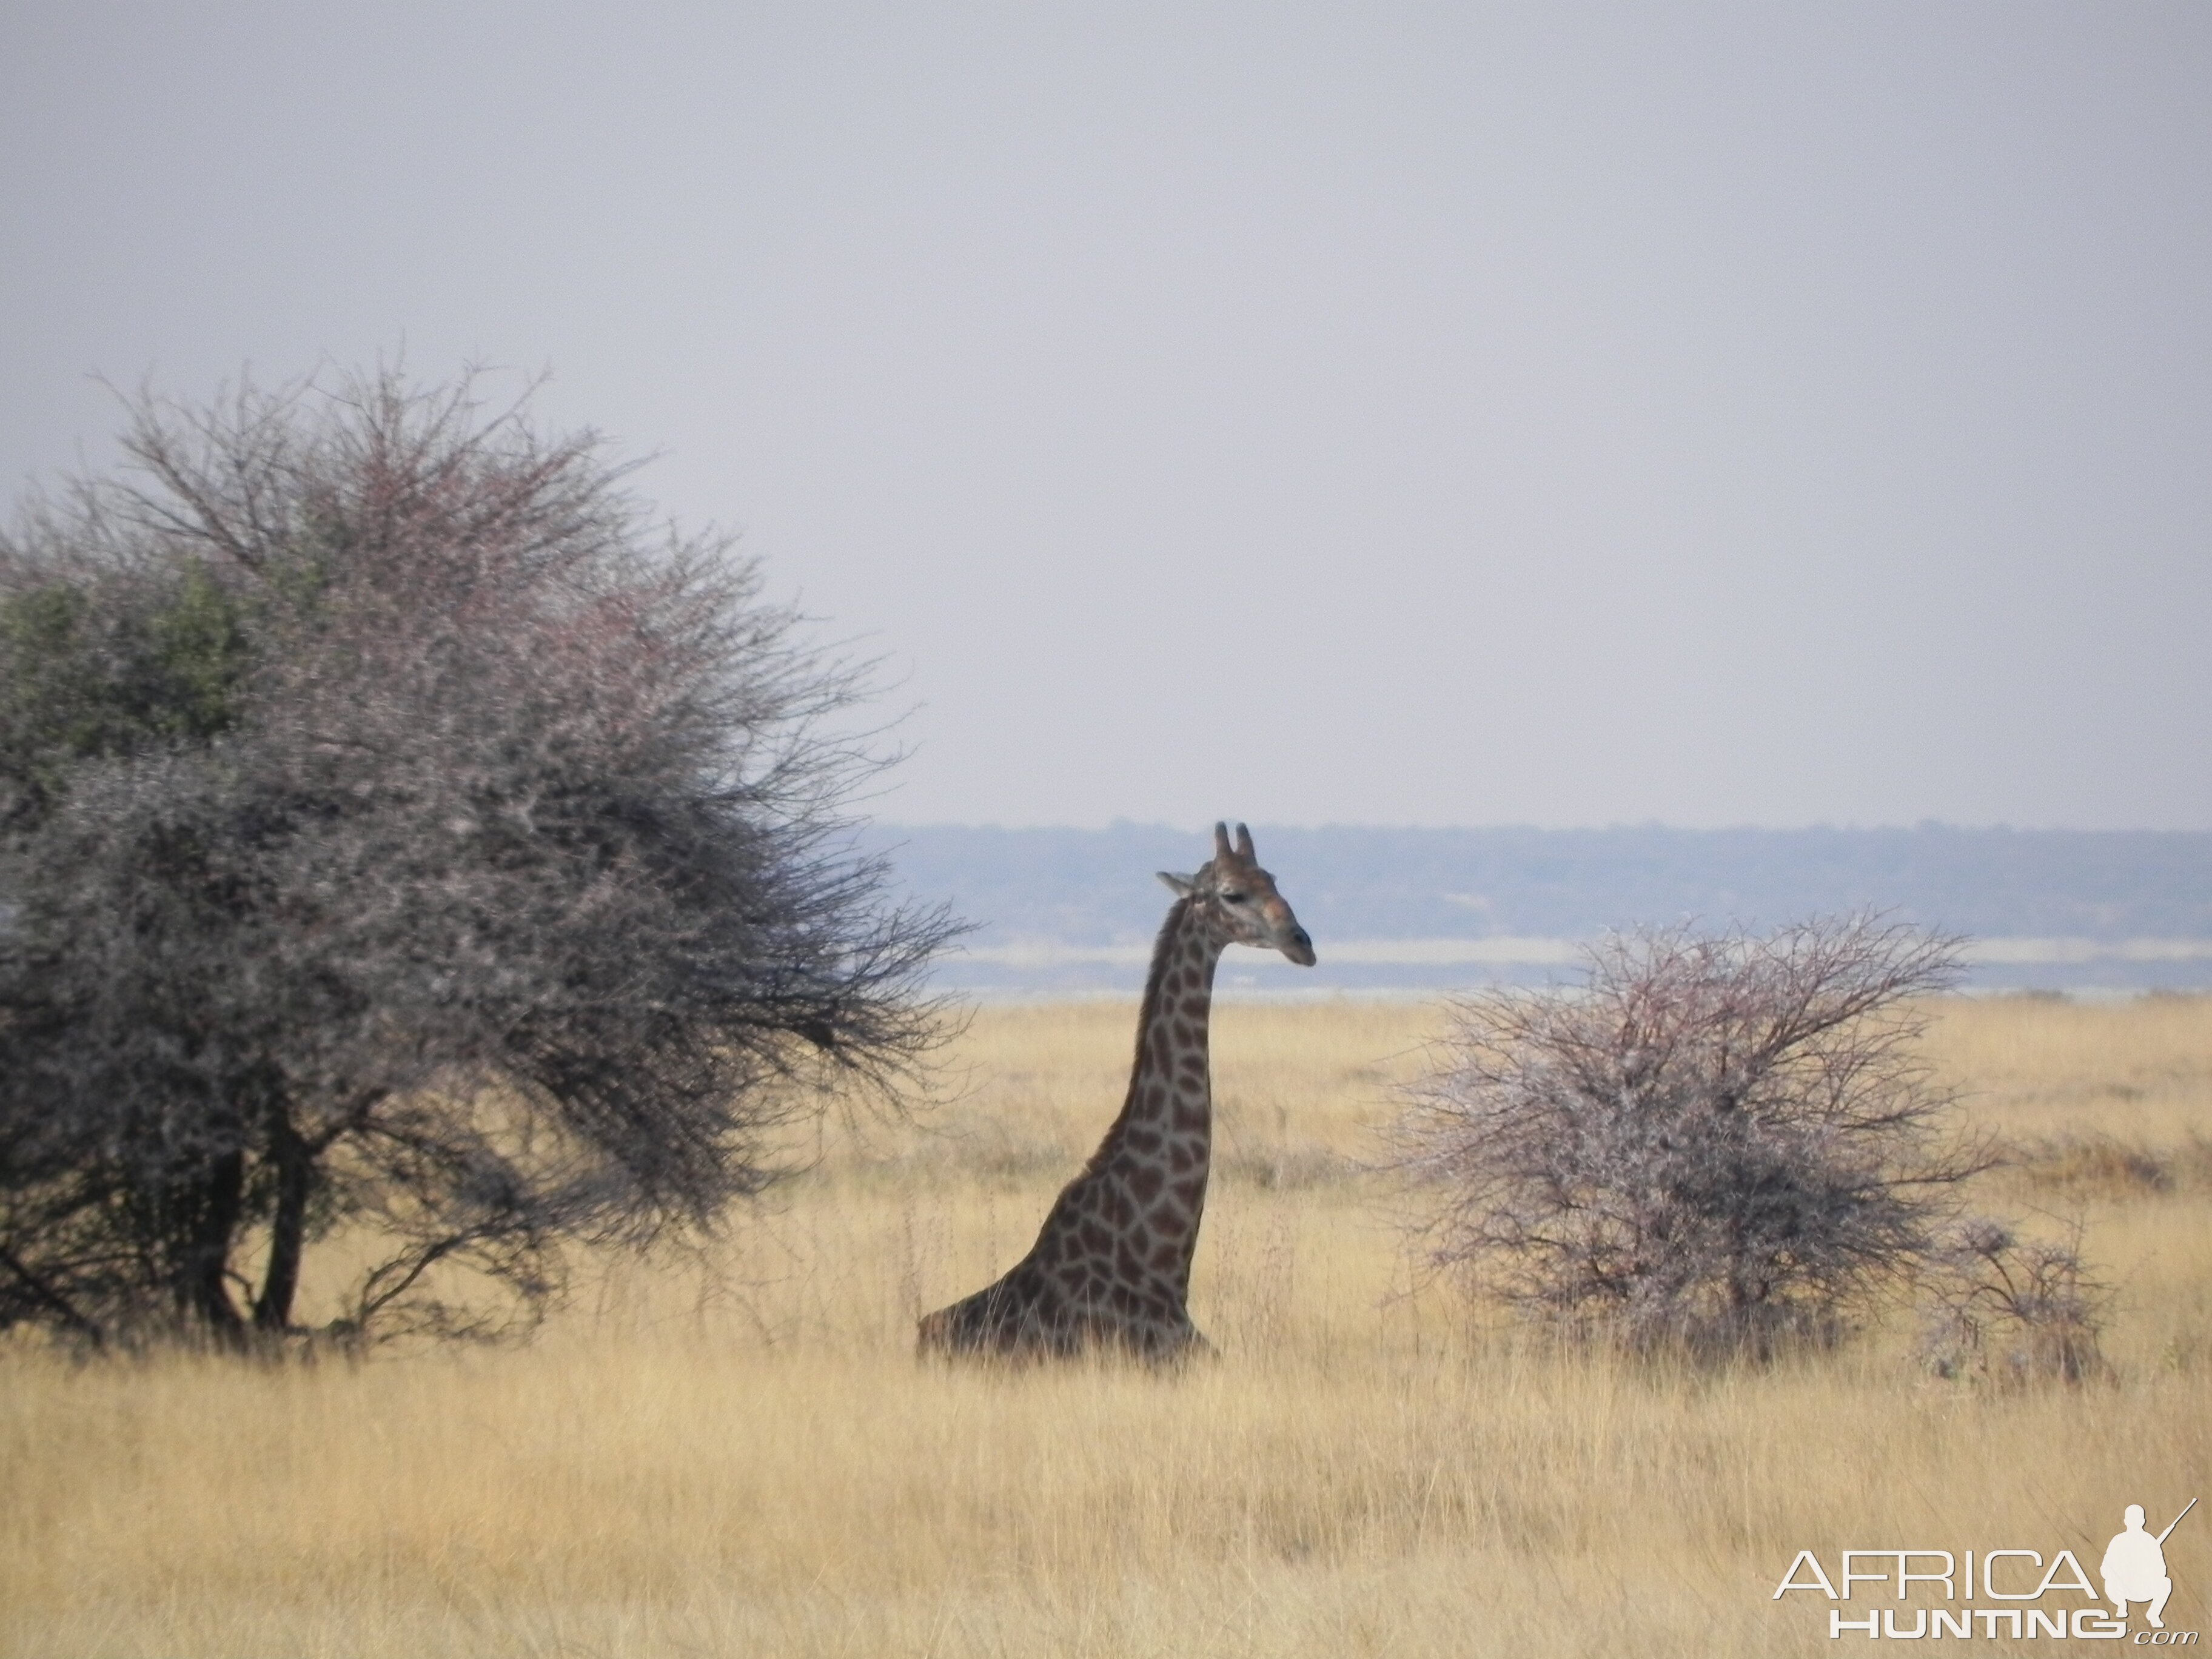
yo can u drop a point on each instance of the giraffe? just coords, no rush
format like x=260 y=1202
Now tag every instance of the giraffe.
x=1111 y=1266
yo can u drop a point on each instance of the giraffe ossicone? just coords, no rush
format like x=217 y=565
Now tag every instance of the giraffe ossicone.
x=1110 y=1268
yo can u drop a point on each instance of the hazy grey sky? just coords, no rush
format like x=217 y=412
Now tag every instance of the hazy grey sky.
x=1765 y=414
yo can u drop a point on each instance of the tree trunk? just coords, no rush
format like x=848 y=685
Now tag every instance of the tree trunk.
x=296 y=1177
x=214 y=1203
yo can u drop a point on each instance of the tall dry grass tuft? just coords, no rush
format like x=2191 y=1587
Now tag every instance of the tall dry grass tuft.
x=741 y=1455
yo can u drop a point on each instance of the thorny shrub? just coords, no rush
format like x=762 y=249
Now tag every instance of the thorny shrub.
x=2006 y=1309
x=1718 y=1142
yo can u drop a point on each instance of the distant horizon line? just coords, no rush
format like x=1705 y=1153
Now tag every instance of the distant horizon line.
x=1923 y=826
x=1540 y=952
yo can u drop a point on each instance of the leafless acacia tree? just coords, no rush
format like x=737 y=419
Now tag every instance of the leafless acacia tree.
x=400 y=828
x=1719 y=1140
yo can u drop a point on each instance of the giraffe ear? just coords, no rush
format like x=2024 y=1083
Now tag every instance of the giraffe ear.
x=1181 y=886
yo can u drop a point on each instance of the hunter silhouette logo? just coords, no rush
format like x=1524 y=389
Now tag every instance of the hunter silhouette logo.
x=2135 y=1566
x=2134 y=1571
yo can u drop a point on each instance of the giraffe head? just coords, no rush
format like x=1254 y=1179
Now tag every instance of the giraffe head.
x=1234 y=896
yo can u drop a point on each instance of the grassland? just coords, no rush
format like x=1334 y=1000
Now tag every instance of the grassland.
x=742 y=1456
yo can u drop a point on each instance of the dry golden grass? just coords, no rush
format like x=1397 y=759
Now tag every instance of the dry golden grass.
x=694 y=1462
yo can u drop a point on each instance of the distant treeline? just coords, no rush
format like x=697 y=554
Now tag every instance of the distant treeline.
x=1094 y=887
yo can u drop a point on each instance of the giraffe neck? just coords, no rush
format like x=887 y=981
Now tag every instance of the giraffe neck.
x=1161 y=1148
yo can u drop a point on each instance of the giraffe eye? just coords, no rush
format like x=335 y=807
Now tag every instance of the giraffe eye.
x=1232 y=898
